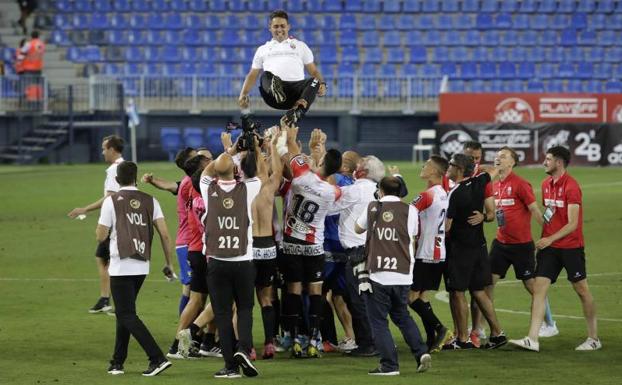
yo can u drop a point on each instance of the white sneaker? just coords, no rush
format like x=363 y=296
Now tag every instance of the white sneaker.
x=425 y=363
x=347 y=345
x=548 y=330
x=526 y=343
x=590 y=344
x=185 y=342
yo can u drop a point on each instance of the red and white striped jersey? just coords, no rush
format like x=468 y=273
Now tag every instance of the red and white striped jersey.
x=310 y=199
x=432 y=205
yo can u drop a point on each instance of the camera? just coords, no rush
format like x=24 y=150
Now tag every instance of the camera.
x=250 y=131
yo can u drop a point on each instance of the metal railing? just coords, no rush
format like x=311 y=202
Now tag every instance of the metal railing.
x=196 y=93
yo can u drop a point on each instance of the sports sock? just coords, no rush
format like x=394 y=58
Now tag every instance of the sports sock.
x=548 y=316
x=267 y=315
x=276 y=305
x=292 y=307
x=209 y=339
x=420 y=308
x=315 y=317
x=183 y=301
x=175 y=345
x=194 y=331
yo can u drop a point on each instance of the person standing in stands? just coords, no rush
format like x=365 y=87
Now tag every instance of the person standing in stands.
x=34 y=51
x=283 y=60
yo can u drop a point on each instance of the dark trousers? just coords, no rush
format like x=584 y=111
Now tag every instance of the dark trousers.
x=124 y=292
x=392 y=300
x=231 y=282
x=303 y=89
x=356 y=304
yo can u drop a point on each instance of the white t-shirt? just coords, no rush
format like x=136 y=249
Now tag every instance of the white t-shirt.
x=253 y=185
x=354 y=200
x=110 y=184
x=108 y=218
x=388 y=277
x=285 y=59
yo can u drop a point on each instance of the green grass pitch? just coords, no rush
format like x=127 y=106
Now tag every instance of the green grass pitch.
x=48 y=281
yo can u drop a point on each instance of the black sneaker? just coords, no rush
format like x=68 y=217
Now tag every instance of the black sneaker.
x=383 y=372
x=193 y=352
x=227 y=373
x=496 y=342
x=173 y=351
x=459 y=345
x=156 y=368
x=293 y=116
x=115 y=368
x=101 y=306
x=276 y=88
x=210 y=351
x=245 y=363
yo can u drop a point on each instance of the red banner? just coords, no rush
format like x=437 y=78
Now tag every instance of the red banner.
x=530 y=108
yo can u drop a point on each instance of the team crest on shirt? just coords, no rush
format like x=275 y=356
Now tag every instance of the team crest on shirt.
x=387 y=216
x=227 y=203
x=135 y=204
x=292 y=45
x=416 y=200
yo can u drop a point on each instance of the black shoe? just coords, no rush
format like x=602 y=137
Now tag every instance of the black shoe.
x=364 y=352
x=227 y=373
x=383 y=372
x=276 y=89
x=245 y=363
x=156 y=368
x=293 y=116
x=101 y=306
x=496 y=342
x=443 y=335
x=115 y=368
x=459 y=345
x=193 y=352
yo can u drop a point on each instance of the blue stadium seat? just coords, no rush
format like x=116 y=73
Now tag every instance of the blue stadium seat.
x=154 y=37
x=170 y=140
x=453 y=38
x=568 y=37
x=64 y=6
x=368 y=22
x=134 y=54
x=388 y=69
x=598 y=21
x=509 y=6
x=99 y=21
x=528 y=6
x=138 y=21
x=121 y=5
x=119 y=21
x=172 y=37
x=507 y=70
x=345 y=87
x=328 y=54
x=450 y=6
x=574 y=85
x=477 y=86
x=460 y=53
x=197 y=5
x=83 y=6
x=173 y=21
x=141 y=5
x=555 y=54
x=230 y=37
x=548 y=38
x=603 y=71
x=404 y=22
x=418 y=54
x=345 y=69
x=472 y=38
x=490 y=38
x=395 y=55
x=347 y=37
x=518 y=54
x=102 y=6
x=468 y=71
x=347 y=21
x=354 y=6
x=217 y=5
x=392 y=39
x=440 y=54
x=170 y=53
x=555 y=85
x=391 y=6
x=75 y=54
x=535 y=86
x=613 y=86
x=528 y=38
x=236 y=5
x=509 y=38
x=209 y=37
x=445 y=21
x=333 y=6
x=431 y=6
x=430 y=70
x=503 y=21
x=488 y=70
x=484 y=21
x=496 y=86
x=191 y=37
x=188 y=68
x=426 y=21
x=547 y=71
x=539 y=22
x=111 y=69
x=206 y=68
x=295 y=6
x=471 y=6
x=392 y=88
x=520 y=21
x=526 y=70
x=386 y=23
x=588 y=38
x=579 y=21
x=81 y=21
x=178 y=5
x=608 y=38
x=456 y=85
x=584 y=70
x=171 y=69
x=605 y=6
x=547 y=6
x=574 y=54
x=490 y=6
x=464 y=21
x=370 y=38
x=193 y=137
x=413 y=38
x=514 y=85
x=316 y=6
x=566 y=6
x=411 y=6
x=159 y=5
x=373 y=55
x=409 y=69
x=368 y=69
x=560 y=21
x=278 y=4
x=449 y=69
x=60 y=37
x=593 y=86
x=566 y=70
x=132 y=69
x=257 y=6
x=432 y=37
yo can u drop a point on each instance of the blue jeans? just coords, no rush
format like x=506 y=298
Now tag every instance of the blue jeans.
x=393 y=301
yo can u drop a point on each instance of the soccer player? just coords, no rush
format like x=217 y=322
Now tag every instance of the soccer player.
x=390 y=225
x=112 y=149
x=430 y=255
x=515 y=207
x=561 y=247
x=283 y=85
x=303 y=245
x=468 y=267
x=127 y=219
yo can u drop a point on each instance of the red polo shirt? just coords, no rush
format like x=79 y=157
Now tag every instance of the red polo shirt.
x=559 y=195
x=513 y=195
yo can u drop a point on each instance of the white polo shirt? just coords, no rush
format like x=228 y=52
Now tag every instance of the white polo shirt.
x=110 y=184
x=253 y=185
x=108 y=218
x=285 y=59
x=353 y=202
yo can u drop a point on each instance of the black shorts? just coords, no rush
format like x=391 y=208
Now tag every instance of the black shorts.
x=103 y=249
x=302 y=261
x=266 y=272
x=519 y=255
x=550 y=261
x=293 y=90
x=427 y=276
x=468 y=268
x=198 y=266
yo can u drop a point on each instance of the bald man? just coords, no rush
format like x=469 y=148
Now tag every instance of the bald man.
x=229 y=251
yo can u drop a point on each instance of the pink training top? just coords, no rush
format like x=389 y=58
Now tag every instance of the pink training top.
x=183 y=203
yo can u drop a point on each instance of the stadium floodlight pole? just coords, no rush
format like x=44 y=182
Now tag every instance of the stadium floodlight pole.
x=133 y=122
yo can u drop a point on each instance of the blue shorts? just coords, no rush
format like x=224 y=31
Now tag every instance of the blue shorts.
x=185 y=273
x=335 y=277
